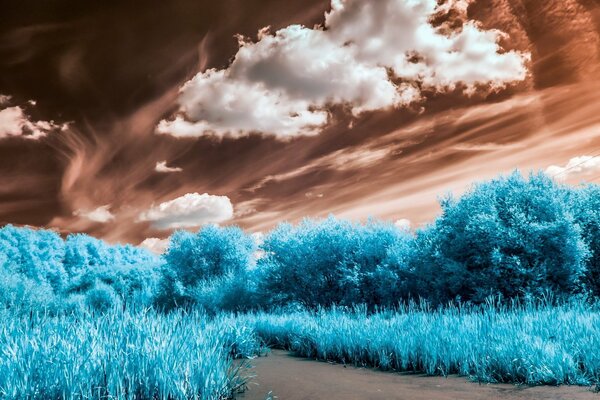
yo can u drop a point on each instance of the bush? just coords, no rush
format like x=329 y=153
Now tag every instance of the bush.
x=586 y=211
x=511 y=236
x=36 y=255
x=333 y=262
x=170 y=293
x=101 y=298
x=212 y=252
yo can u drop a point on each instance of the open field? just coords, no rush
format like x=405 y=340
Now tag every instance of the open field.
x=143 y=354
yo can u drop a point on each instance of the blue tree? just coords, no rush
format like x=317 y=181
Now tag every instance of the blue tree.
x=212 y=252
x=333 y=261
x=85 y=253
x=510 y=236
x=35 y=254
x=127 y=269
x=586 y=210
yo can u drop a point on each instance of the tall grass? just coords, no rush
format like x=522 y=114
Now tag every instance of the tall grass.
x=120 y=354
x=128 y=354
x=529 y=344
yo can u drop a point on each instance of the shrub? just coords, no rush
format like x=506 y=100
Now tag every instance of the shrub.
x=511 y=236
x=212 y=252
x=34 y=254
x=101 y=298
x=332 y=262
x=585 y=203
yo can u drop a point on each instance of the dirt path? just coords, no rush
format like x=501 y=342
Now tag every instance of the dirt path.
x=292 y=378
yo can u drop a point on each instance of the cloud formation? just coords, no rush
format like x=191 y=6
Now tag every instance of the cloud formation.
x=189 y=211
x=162 y=167
x=404 y=224
x=581 y=167
x=155 y=245
x=15 y=123
x=101 y=214
x=368 y=55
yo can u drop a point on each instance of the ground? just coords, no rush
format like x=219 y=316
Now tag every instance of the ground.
x=293 y=378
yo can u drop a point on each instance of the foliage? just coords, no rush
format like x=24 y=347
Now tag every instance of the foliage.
x=40 y=271
x=333 y=262
x=534 y=344
x=585 y=205
x=212 y=252
x=36 y=255
x=101 y=298
x=511 y=236
x=228 y=293
x=121 y=354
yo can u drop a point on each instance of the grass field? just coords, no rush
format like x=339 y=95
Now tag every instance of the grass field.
x=122 y=355
x=534 y=345
x=126 y=354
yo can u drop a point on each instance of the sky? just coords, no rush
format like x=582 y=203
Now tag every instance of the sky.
x=127 y=121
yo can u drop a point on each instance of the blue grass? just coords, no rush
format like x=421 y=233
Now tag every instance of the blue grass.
x=144 y=354
x=527 y=344
x=121 y=355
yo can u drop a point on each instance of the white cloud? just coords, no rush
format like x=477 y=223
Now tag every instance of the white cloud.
x=101 y=214
x=155 y=245
x=369 y=55
x=581 y=166
x=220 y=105
x=162 y=167
x=15 y=123
x=258 y=238
x=404 y=224
x=188 y=211
x=399 y=35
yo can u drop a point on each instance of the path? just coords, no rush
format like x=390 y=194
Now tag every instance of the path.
x=292 y=378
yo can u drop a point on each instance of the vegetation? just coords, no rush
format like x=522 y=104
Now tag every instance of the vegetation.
x=530 y=344
x=511 y=237
x=121 y=354
x=83 y=319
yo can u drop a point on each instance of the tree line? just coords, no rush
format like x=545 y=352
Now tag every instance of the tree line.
x=512 y=237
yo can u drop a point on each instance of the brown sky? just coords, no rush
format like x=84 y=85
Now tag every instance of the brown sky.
x=112 y=71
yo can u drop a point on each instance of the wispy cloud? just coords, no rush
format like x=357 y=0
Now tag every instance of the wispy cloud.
x=162 y=167
x=101 y=214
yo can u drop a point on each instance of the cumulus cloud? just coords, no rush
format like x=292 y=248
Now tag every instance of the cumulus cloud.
x=155 y=245
x=368 y=55
x=582 y=166
x=403 y=224
x=162 y=167
x=101 y=214
x=188 y=211
x=14 y=122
